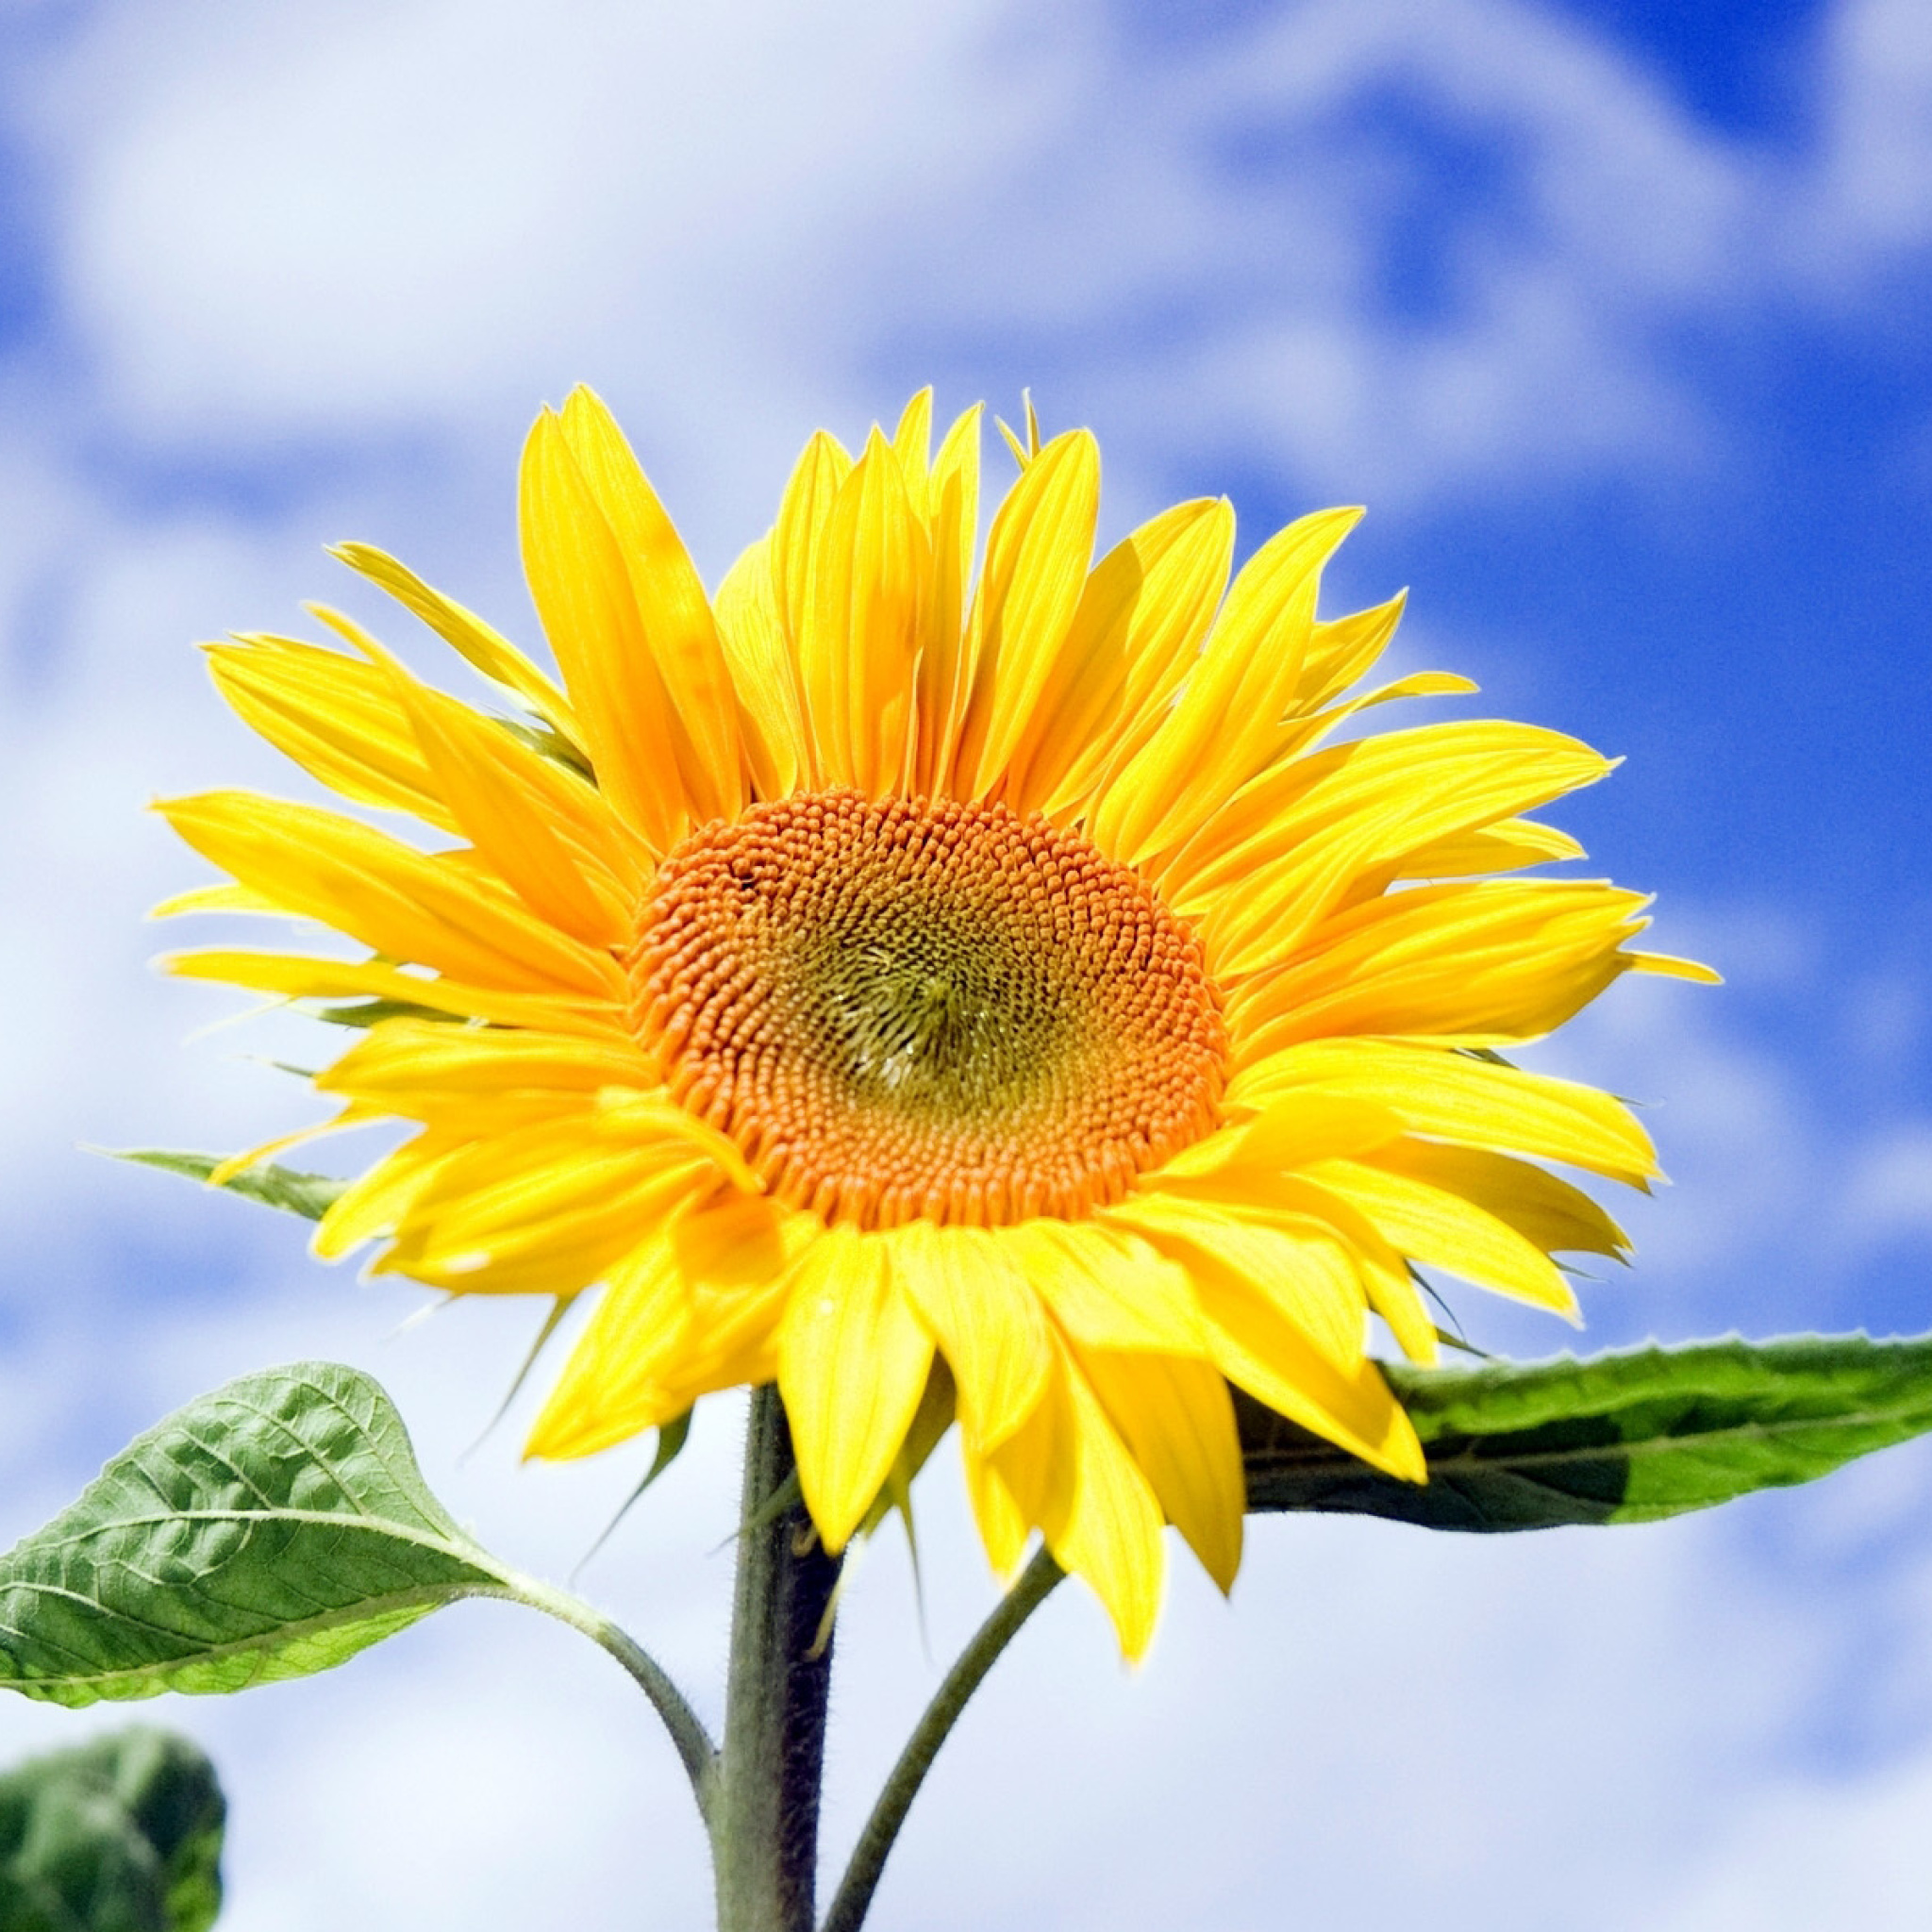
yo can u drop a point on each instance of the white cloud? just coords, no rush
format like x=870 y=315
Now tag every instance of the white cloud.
x=1874 y=191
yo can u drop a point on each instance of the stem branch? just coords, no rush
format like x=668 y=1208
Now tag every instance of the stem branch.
x=687 y=1733
x=875 y=1841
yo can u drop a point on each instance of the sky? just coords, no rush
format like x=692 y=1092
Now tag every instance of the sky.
x=1618 y=316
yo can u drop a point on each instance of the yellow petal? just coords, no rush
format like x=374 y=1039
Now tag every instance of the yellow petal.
x=1258 y=1348
x=1506 y=846
x=1108 y=1528
x=1178 y=1425
x=1453 y=1096
x=1223 y=728
x=1489 y=964
x=860 y=643
x=913 y=445
x=581 y=585
x=1556 y=1217
x=1107 y=1288
x=1289 y=1132
x=1442 y=1229
x=1037 y=556
x=672 y=608
x=985 y=1318
x=543 y=1210
x=336 y=717
x=853 y=1361
x=1286 y=849
x=318 y=865
x=803 y=514
x=375 y=1200
x=1345 y=649
x=466 y=633
x=299 y=977
x=1002 y=1528
x=952 y=523
x=771 y=713
x=604 y=1394
x=418 y=1068
x=1140 y=620
x=1305 y=1273
x=534 y=822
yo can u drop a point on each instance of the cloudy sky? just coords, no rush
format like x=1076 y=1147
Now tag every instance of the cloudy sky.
x=1616 y=315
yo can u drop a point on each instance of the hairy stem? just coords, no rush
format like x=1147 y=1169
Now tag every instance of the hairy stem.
x=875 y=1841
x=687 y=1734
x=764 y=1809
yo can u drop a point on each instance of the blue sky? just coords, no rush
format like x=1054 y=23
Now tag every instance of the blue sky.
x=1616 y=316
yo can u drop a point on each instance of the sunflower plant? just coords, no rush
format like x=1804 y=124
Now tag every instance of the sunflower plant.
x=1023 y=1010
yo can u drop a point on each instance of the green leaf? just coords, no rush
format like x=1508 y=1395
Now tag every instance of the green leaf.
x=310 y=1195
x=122 y=1835
x=1624 y=1437
x=269 y=1530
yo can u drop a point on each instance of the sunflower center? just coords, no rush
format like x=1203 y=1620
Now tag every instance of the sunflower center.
x=901 y=1008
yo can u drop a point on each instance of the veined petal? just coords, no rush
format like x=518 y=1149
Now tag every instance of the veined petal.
x=952 y=523
x=320 y=866
x=1506 y=846
x=1260 y=1348
x=985 y=1318
x=1470 y=965
x=721 y=1267
x=543 y=1210
x=672 y=608
x=1544 y=1209
x=1178 y=1425
x=1298 y=1127
x=302 y=976
x=1107 y=1288
x=1305 y=1274
x=538 y=824
x=860 y=647
x=1138 y=625
x=1002 y=1525
x=1343 y=650
x=1442 y=1229
x=764 y=673
x=1108 y=1527
x=1037 y=556
x=335 y=717
x=1285 y=847
x=417 y=1068
x=375 y=1200
x=913 y=445
x=604 y=1395
x=580 y=582
x=803 y=514
x=1454 y=1096
x=1221 y=729
x=853 y=1360
x=466 y=633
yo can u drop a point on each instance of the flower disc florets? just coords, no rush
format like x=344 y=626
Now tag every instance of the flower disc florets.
x=903 y=1008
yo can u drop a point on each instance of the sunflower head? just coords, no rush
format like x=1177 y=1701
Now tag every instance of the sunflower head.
x=998 y=996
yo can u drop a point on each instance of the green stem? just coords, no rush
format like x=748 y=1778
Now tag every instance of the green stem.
x=764 y=1809
x=687 y=1733
x=875 y=1841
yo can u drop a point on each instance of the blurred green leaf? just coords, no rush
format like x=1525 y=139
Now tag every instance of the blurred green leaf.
x=122 y=1835
x=310 y=1195
x=1626 y=1438
x=269 y=1530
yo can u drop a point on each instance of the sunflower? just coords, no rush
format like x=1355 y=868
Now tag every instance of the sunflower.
x=1001 y=999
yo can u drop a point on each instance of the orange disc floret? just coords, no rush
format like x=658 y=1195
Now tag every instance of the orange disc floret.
x=903 y=1009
